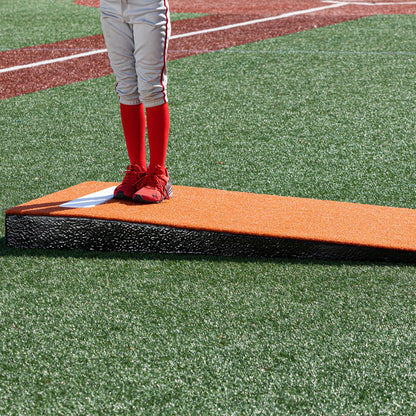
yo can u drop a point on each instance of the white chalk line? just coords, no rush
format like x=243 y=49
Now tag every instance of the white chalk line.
x=364 y=3
x=263 y=20
x=312 y=52
x=52 y=61
x=183 y=35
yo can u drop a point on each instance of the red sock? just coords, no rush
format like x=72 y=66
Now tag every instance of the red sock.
x=134 y=128
x=158 y=122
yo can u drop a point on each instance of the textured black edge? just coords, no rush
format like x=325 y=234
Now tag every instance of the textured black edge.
x=46 y=232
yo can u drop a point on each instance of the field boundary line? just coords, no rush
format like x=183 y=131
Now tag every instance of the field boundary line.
x=183 y=35
x=52 y=61
x=363 y=3
x=262 y=20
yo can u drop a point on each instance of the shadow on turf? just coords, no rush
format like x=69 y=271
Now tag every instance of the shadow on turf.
x=84 y=254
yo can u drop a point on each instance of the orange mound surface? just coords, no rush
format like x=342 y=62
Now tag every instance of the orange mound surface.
x=246 y=213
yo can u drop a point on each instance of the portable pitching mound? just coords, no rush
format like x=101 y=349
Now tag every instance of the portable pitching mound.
x=213 y=222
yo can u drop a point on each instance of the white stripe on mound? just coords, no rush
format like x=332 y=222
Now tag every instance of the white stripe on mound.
x=91 y=200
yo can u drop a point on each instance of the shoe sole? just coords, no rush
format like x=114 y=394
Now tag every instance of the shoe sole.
x=139 y=199
x=121 y=195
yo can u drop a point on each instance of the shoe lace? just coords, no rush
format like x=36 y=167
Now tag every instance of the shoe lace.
x=130 y=175
x=155 y=181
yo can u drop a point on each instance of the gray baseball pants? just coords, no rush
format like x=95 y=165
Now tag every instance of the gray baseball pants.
x=136 y=34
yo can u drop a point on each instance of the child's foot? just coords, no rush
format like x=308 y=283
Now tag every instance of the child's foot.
x=156 y=186
x=133 y=180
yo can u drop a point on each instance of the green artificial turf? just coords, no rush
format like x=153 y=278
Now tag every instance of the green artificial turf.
x=34 y=22
x=327 y=113
x=117 y=334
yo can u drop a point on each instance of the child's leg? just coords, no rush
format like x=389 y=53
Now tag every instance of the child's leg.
x=158 y=123
x=134 y=127
x=119 y=40
x=151 y=43
x=120 y=45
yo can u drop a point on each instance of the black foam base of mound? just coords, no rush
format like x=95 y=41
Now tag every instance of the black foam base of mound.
x=46 y=232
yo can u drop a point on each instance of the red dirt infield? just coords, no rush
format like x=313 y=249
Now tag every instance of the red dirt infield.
x=15 y=82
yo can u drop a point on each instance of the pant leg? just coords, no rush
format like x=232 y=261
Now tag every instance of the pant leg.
x=136 y=33
x=119 y=39
x=151 y=36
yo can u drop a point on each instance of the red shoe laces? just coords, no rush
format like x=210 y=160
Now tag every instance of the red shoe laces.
x=131 y=176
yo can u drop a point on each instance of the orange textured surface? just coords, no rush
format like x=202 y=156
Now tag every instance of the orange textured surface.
x=246 y=213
